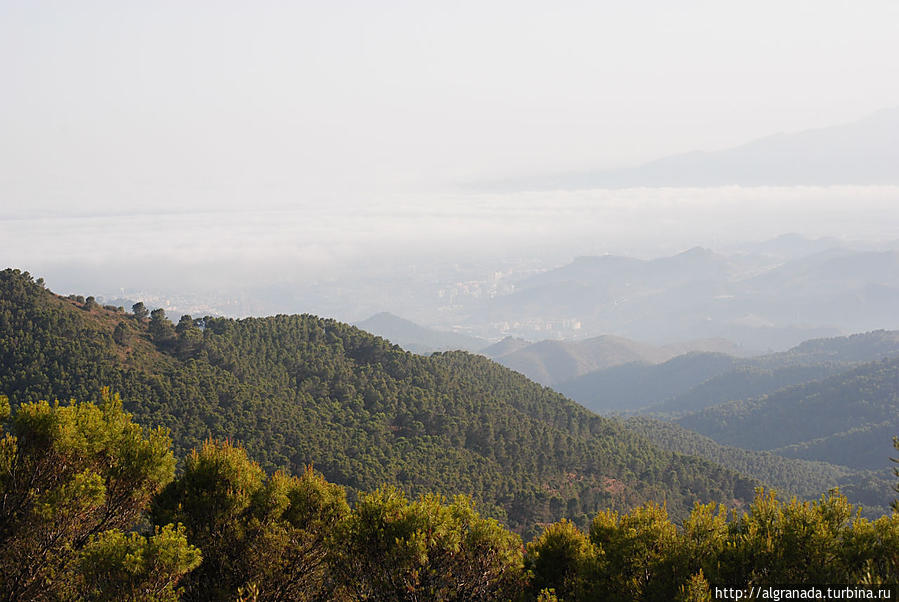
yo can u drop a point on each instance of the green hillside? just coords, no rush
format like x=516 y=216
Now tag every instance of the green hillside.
x=807 y=479
x=743 y=382
x=300 y=390
x=847 y=419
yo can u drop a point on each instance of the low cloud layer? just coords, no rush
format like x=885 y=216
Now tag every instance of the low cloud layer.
x=200 y=250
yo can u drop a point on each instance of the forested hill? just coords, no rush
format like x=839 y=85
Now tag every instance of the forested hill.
x=298 y=390
x=872 y=490
x=856 y=414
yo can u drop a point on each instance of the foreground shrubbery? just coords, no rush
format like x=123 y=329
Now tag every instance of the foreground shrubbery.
x=90 y=508
x=73 y=479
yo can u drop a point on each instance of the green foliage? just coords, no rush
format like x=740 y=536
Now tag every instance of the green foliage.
x=257 y=533
x=190 y=337
x=161 y=328
x=67 y=474
x=645 y=557
x=695 y=590
x=639 y=549
x=547 y=595
x=895 y=503
x=704 y=540
x=114 y=566
x=562 y=561
x=76 y=480
x=811 y=542
x=120 y=334
x=140 y=311
x=391 y=549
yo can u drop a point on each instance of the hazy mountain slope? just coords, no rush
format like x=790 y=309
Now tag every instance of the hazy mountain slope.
x=789 y=246
x=851 y=269
x=855 y=291
x=803 y=478
x=691 y=382
x=859 y=447
x=861 y=347
x=636 y=385
x=863 y=152
x=504 y=347
x=416 y=338
x=741 y=382
x=299 y=390
x=589 y=283
x=856 y=399
x=548 y=362
x=761 y=302
x=553 y=362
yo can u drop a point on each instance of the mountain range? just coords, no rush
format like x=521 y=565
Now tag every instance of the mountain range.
x=760 y=301
x=694 y=381
x=818 y=416
x=858 y=153
x=554 y=362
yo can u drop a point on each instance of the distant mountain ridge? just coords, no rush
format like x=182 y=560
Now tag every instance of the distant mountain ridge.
x=505 y=347
x=550 y=362
x=763 y=302
x=416 y=338
x=863 y=152
x=695 y=381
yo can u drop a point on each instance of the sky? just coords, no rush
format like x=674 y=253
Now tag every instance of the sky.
x=115 y=107
x=222 y=146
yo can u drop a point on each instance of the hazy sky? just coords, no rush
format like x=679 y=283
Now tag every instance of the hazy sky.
x=123 y=106
x=99 y=254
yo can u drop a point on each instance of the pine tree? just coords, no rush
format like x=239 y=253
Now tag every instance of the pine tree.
x=140 y=311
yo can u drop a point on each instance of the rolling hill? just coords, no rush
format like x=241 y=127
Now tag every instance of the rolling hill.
x=694 y=381
x=553 y=362
x=848 y=419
